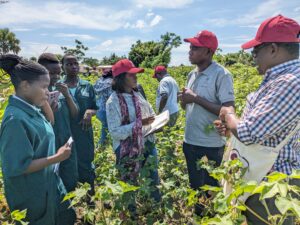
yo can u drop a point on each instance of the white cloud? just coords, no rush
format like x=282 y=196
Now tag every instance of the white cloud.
x=180 y=55
x=231 y=45
x=140 y=24
x=58 y=14
x=264 y=10
x=144 y=24
x=29 y=49
x=162 y=4
x=20 y=29
x=155 y=20
x=78 y=36
x=118 y=45
x=107 y=43
x=150 y=14
x=254 y=16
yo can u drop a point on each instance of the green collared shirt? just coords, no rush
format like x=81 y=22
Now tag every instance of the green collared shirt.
x=85 y=97
x=26 y=135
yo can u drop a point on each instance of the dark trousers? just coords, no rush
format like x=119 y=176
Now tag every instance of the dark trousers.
x=200 y=177
x=256 y=205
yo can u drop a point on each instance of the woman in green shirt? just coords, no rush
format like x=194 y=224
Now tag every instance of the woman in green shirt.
x=82 y=130
x=27 y=148
x=64 y=110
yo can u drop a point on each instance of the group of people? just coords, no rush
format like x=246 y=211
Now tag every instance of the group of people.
x=40 y=164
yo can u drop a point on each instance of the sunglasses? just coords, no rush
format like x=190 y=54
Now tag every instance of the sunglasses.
x=256 y=49
x=195 y=48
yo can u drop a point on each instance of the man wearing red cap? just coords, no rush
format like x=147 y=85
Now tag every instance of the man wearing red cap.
x=273 y=111
x=209 y=86
x=166 y=96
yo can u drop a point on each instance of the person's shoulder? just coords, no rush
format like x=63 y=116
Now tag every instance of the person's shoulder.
x=221 y=70
x=85 y=83
x=13 y=116
x=289 y=80
x=192 y=72
x=112 y=98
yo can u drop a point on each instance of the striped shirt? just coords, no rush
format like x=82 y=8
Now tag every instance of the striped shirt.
x=272 y=112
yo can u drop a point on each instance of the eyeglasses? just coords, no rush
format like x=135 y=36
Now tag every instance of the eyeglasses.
x=195 y=48
x=256 y=49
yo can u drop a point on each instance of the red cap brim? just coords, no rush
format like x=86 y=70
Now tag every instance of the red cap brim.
x=135 y=70
x=251 y=44
x=194 y=42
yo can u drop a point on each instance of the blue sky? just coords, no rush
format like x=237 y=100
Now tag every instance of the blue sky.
x=113 y=26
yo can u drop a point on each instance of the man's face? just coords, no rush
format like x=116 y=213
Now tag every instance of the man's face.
x=263 y=56
x=71 y=66
x=197 y=55
x=54 y=72
x=159 y=76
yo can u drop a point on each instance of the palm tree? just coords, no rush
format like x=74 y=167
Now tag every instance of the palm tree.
x=8 y=42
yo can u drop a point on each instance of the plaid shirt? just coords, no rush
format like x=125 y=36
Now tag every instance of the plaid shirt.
x=272 y=112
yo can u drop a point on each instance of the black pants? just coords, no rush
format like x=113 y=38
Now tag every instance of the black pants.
x=256 y=205
x=200 y=177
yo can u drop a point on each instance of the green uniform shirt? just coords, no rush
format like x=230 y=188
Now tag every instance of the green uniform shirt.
x=68 y=170
x=26 y=135
x=84 y=140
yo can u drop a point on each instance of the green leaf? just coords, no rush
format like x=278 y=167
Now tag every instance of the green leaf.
x=276 y=176
x=19 y=216
x=192 y=197
x=284 y=205
x=241 y=189
x=69 y=196
x=295 y=174
x=127 y=187
x=211 y=188
x=277 y=188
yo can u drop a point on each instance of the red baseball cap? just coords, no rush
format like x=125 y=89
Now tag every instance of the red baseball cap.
x=275 y=29
x=159 y=69
x=125 y=66
x=204 y=38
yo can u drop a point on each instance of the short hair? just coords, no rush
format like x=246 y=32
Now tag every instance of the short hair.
x=21 y=70
x=48 y=58
x=65 y=56
x=291 y=48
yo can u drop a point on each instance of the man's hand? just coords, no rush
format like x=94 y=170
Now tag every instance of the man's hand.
x=86 y=122
x=63 y=88
x=188 y=96
x=148 y=121
x=225 y=111
x=221 y=128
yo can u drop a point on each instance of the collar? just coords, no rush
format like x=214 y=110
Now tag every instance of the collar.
x=208 y=71
x=166 y=75
x=23 y=105
x=80 y=81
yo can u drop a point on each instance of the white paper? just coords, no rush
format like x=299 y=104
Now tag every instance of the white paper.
x=56 y=166
x=160 y=121
x=70 y=141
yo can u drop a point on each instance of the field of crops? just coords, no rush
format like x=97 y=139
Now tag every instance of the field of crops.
x=177 y=198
